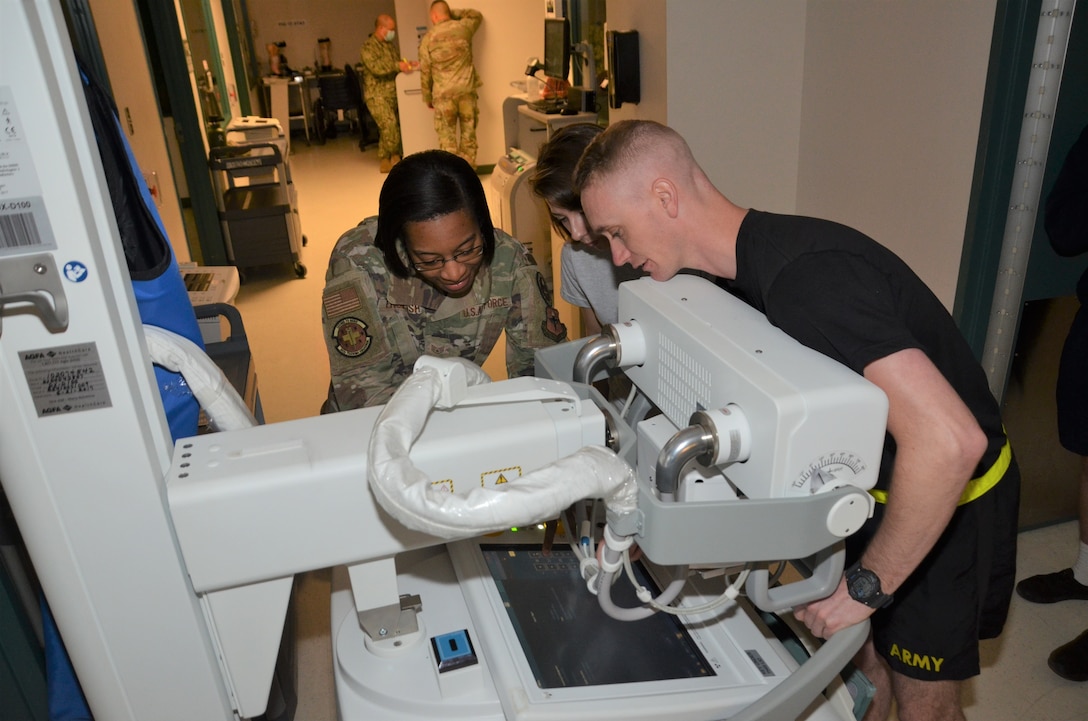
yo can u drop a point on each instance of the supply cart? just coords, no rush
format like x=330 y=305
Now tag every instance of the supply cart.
x=257 y=206
x=253 y=130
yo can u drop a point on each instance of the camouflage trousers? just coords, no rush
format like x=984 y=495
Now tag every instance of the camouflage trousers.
x=383 y=108
x=448 y=113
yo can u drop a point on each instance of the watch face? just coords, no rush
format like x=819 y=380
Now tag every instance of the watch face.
x=864 y=585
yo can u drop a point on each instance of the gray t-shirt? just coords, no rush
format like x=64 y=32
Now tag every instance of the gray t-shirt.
x=590 y=280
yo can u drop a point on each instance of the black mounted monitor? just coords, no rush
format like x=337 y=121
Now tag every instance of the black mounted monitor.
x=556 y=48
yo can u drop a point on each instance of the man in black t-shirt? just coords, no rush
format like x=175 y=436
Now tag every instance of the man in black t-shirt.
x=942 y=542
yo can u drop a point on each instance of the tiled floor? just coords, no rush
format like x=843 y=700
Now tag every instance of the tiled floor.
x=337 y=187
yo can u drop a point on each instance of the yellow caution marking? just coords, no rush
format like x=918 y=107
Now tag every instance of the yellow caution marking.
x=499 y=476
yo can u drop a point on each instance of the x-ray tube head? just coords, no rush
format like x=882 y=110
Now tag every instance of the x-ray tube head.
x=697 y=349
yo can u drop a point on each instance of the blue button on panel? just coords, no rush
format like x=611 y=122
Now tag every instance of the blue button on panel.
x=453 y=650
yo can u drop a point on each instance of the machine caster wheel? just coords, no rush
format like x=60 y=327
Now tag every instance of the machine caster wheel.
x=300 y=270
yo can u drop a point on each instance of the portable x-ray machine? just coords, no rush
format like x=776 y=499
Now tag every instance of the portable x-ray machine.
x=169 y=567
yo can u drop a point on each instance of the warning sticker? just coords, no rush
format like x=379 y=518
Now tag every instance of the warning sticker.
x=497 y=477
x=66 y=379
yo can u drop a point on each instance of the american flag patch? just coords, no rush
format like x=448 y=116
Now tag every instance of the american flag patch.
x=341 y=301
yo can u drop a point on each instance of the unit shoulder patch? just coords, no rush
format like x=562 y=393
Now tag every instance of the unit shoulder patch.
x=352 y=337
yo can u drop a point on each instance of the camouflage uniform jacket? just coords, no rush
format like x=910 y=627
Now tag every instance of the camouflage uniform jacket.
x=445 y=57
x=381 y=63
x=376 y=325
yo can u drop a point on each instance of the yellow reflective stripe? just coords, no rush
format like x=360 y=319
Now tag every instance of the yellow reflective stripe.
x=976 y=487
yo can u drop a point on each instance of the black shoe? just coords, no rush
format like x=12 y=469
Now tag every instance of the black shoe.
x=1052 y=587
x=1071 y=660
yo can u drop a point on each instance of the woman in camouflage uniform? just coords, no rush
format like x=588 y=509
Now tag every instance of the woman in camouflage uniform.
x=430 y=275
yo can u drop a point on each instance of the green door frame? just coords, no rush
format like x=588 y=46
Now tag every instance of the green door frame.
x=236 y=16
x=167 y=50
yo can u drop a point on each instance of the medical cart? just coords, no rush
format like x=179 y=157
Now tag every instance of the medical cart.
x=257 y=206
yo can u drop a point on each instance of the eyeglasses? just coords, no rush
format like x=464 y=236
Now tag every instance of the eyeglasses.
x=462 y=256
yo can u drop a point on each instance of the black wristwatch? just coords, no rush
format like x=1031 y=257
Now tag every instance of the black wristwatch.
x=864 y=587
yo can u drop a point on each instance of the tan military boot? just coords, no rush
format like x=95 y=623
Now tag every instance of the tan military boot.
x=384 y=165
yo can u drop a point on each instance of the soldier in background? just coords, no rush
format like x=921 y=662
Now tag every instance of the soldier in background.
x=448 y=77
x=430 y=275
x=381 y=63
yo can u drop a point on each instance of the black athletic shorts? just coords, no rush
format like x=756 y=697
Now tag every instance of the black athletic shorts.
x=958 y=595
x=1072 y=387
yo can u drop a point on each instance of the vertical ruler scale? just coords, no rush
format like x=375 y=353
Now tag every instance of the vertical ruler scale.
x=1044 y=82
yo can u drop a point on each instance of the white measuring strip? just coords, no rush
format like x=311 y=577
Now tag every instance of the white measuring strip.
x=1048 y=59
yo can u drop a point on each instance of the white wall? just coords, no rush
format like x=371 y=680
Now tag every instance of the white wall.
x=892 y=106
x=861 y=112
x=727 y=76
x=650 y=19
x=735 y=73
x=412 y=15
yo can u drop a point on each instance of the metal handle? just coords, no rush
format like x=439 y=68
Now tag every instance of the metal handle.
x=791 y=697
x=34 y=280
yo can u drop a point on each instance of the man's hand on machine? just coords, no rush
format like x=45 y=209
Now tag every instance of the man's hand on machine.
x=830 y=615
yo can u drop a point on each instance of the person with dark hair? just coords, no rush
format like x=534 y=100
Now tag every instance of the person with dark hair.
x=589 y=280
x=430 y=275
x=933 y=570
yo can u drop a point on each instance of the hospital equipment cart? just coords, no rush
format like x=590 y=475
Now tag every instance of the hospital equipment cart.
x=257 y=206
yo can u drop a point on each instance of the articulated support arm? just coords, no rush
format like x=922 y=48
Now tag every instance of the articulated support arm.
x=253 y=507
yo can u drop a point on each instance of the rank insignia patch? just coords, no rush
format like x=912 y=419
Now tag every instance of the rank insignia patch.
x=352 y=339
